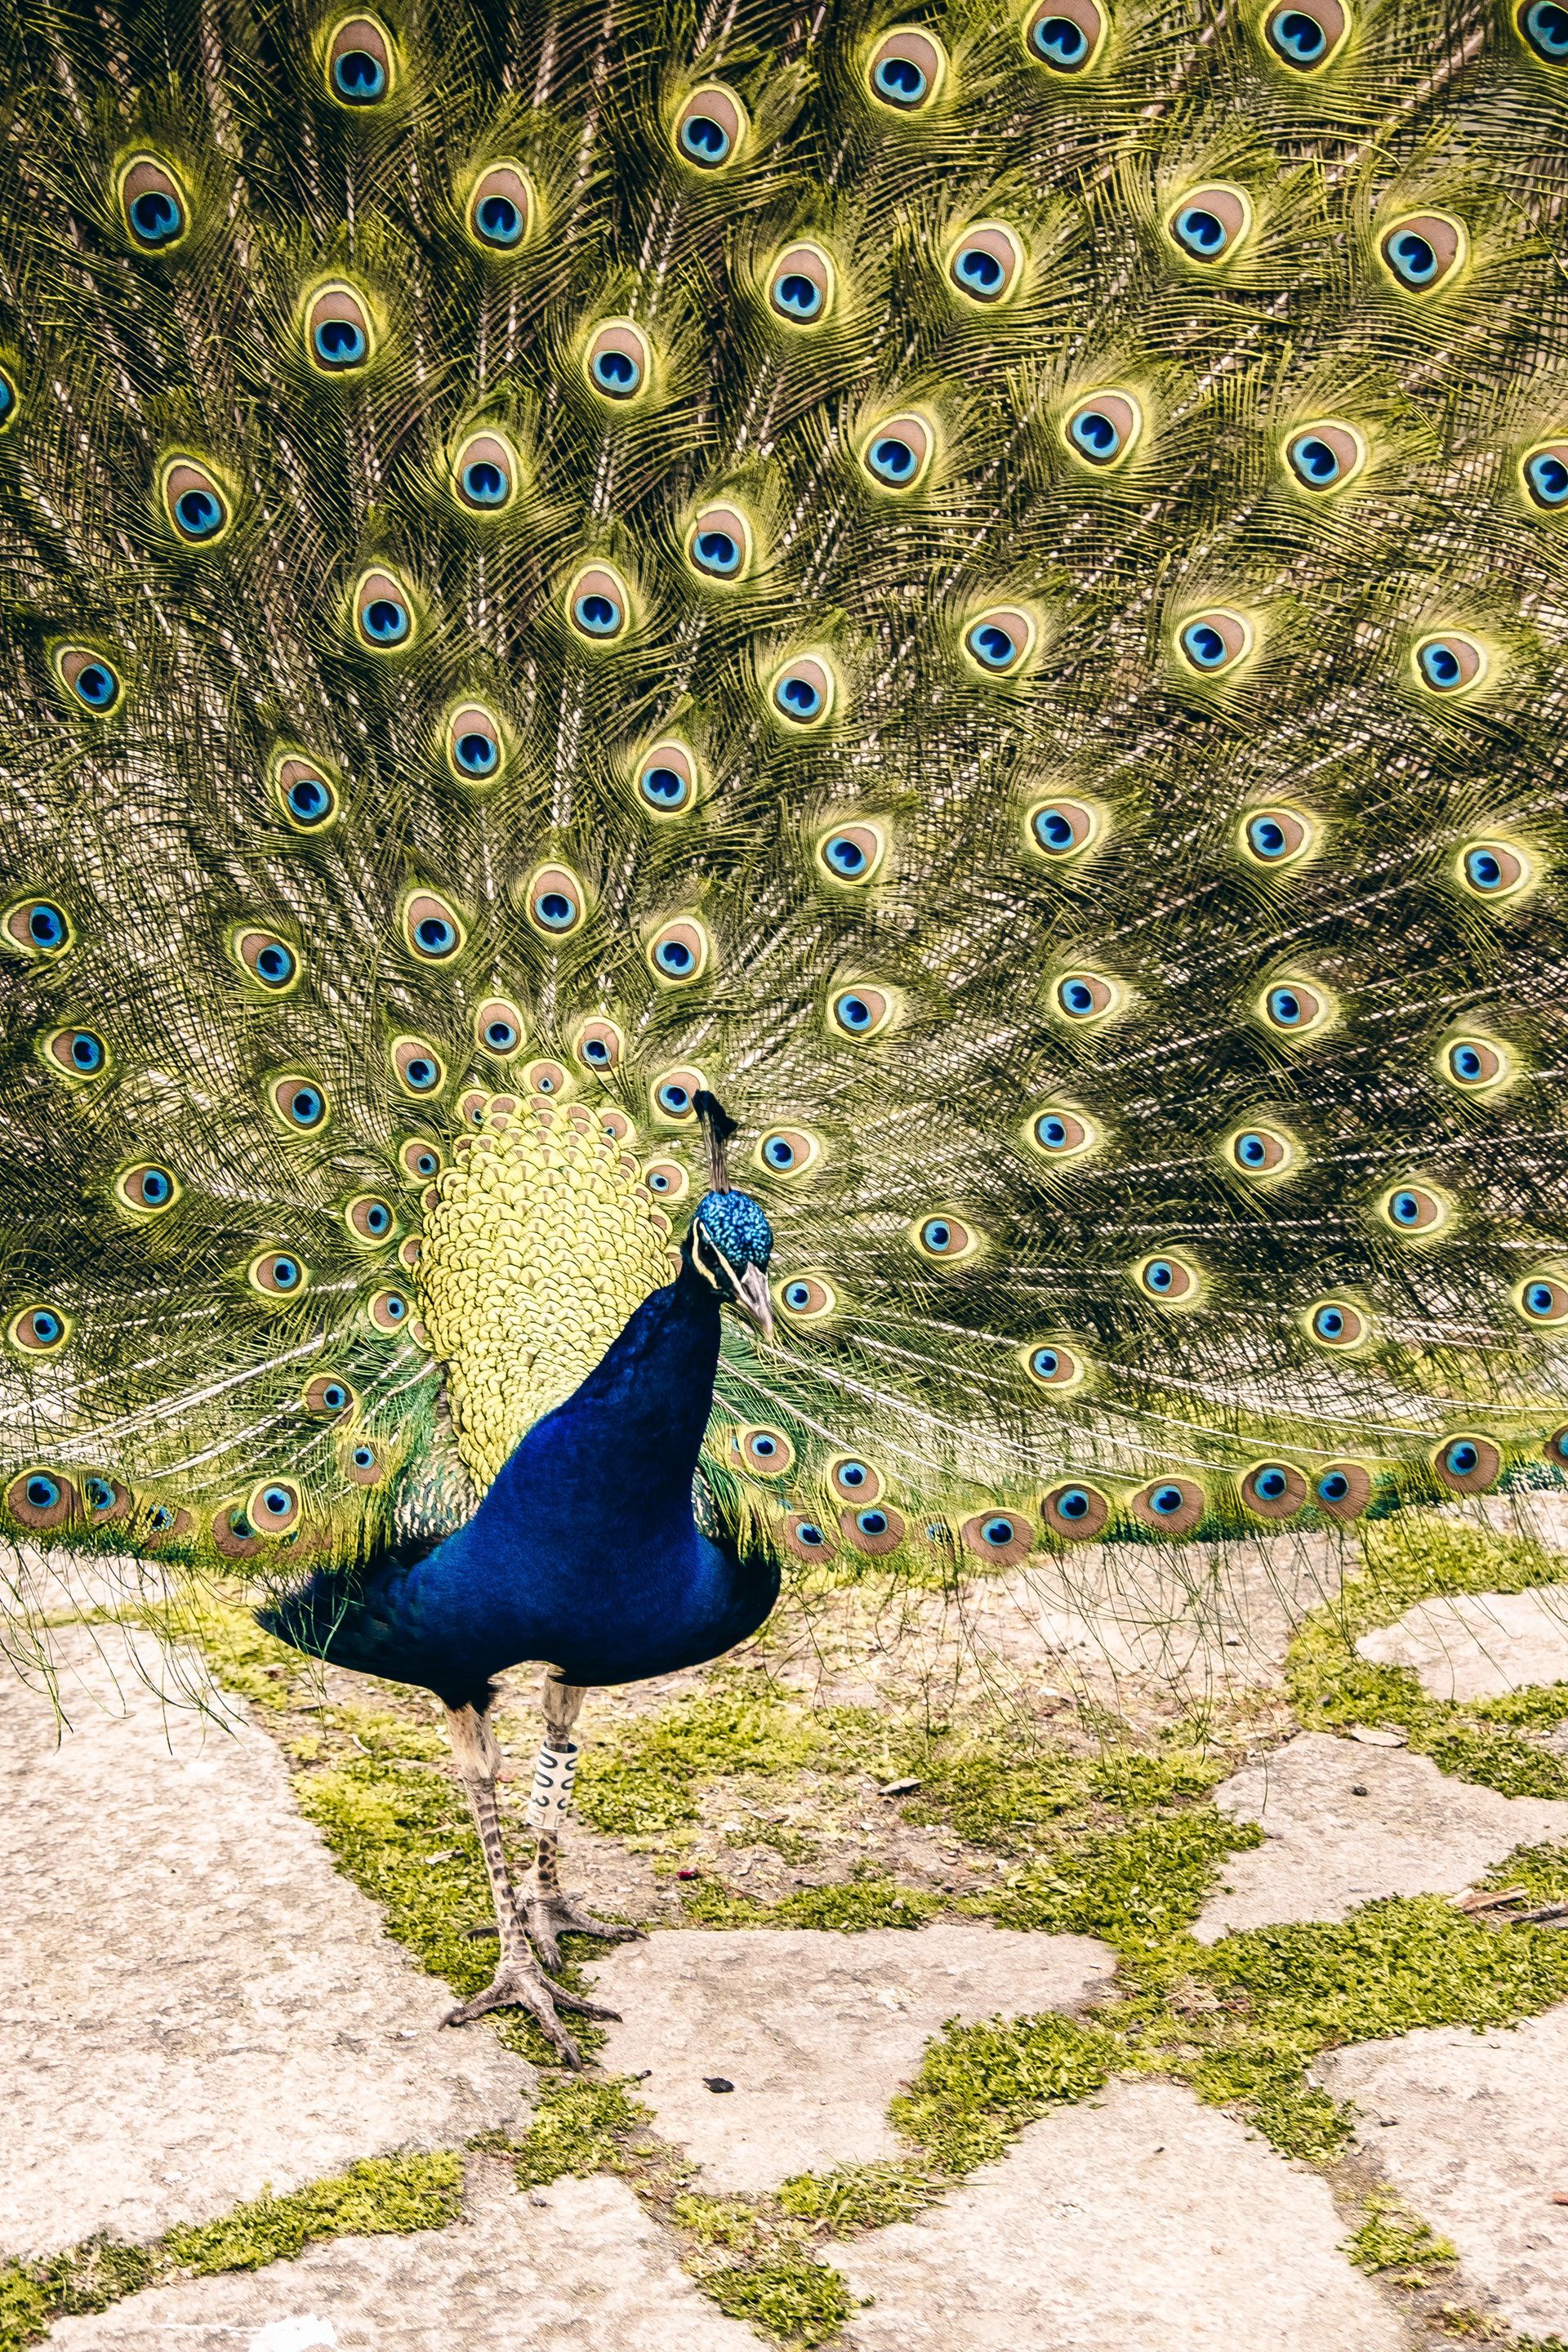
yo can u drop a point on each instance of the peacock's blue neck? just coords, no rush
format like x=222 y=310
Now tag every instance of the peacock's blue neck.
x=622 y=1450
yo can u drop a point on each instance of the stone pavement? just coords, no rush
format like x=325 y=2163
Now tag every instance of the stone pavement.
x=197 y=2005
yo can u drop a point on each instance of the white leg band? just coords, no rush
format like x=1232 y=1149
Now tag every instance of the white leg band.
x=553 y=1777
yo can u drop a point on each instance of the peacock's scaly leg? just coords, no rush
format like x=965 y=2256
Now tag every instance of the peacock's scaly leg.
x=519 y=1981
x=549 y=1913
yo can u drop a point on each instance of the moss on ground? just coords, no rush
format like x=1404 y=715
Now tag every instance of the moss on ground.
x=795 y=2300
x=578 y=2128
x=851 y=1904
x=379 y=2196
x=1396 y=2243
x=978 y=2085
x=647 y=1778
x=857 y=2196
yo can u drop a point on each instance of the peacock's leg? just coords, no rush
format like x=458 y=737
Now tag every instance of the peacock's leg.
x=549 y=1913
x=519 y=1981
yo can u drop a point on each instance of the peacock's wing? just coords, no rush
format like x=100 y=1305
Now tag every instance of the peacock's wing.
x=983 y=585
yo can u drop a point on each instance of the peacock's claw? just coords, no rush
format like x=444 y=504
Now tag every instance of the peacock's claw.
x=551 y=1915
x=518 y=1984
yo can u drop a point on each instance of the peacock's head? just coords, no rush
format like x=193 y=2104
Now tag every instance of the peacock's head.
x=730 y=1243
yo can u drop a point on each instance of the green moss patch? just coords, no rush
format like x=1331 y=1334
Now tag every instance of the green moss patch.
x=794 y=2301
x=1131 y=1886
x=849 y=1905
x=857 y=2196
x=979 y=2085
x=646 y=1780
x=578 y=2128
x=1396 y=2243
x=377 y=2197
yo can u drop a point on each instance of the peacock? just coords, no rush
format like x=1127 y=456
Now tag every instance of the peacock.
x=783 y=798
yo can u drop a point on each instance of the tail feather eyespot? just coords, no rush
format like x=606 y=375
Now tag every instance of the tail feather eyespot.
x=618 y=362
x=1065 y=36
x=500 y=210
x=360 y=63
x=39 y=1330
x=195 y=503
x=710 y=131
x=907 y=69
x=153 y=205
x=384 y=619
x=417 y=1065
x=1468 y=1464
x=340 y=335
x=1174 y=1506
x=37 y=927
x=1075 y=1510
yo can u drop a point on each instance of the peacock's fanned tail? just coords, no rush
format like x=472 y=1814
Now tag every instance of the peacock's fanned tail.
x=985 y=582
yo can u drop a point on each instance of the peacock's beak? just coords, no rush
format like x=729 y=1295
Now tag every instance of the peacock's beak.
x=752 y=1297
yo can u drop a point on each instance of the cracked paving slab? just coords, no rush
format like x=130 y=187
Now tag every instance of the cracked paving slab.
x=196 y=2005
x=1327 y=1849
x=1143 y=2222
x=1469 y=2129
x=815 y=2030
x=577 y=2267
x=1479 y=1644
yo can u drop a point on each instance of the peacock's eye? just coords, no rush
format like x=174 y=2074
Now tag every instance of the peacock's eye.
x=1325 y=457
x=1065 y=35
x=417 y=1067
x=154 y=203
x=431 y=928
x=327 y=1396
x=787 y=1151
x=91 y=678
x=1421 y=252
x=1075 y=1511
x=1492 y=870
x=1305 y=37
x=667 y=1180
x=1334 y=1323
x=555 y=902
x=278 y=1273
x=419 y=1159
x=986 y=262
x=359 y=63
x=1275 y=836
x=597 y=604
x=1102 y=431
x=1054 y=1366
x=195 y=504
x=1210 y=224
x=1084 y=995
x=1000 y=640
x=896 y=456
x=388 y=1310
x=9 y=400
x=854 y=1481
x=1214 y=641
x=38 y=1330
x=618 y=360
x=1168 y=1279
x=676 y=1093
x=1543 y=1300
x=1468 y=1464
x=1543 y=23
x=678 y=951
x=39 y=926
x=384 y=613
x=801 y=286
x=1295 y=1008
x=1059 y=828
x=1260 y=1151
x=804 y=691
x=79 y=1053
x=709 y=128
x=667 y=778
x=270 y=961
x=1061 y=1133
x=337 y=332
x=486 y=474
x=147 y=1187
x=861 y=1012
x=299 y=1103
x=501 y=207
x=370 y=1218
x=719 y=543
x=905 y=69
x=1414 y=1209
x=1475 y=1062
x=1175 y=1504
x=1546 y=471
x=944 y=1237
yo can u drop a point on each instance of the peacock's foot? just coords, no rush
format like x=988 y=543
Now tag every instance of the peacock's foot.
x=551 y=1915
x=518 y=1984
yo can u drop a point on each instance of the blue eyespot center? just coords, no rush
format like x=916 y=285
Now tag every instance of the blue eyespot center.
x=1202 y=644
x=991 y=643
x=1094 y=433
x=979 y=270
x=1252 y=1151
x=998 y=1532
x=1483 y=869
x=364 y=1457
x=598 y=614
x=275 y=964
x=1078 y=997
x=378 y=1218
x=872 y=1522
x=485 y=484
x=1465 y=1063
x=386 y=621
x=1328 y=1323
x=798 y=696
x=501 y=1036
x=1314 y=461
x=42 y=1493
x=1546 y=25
x=809 y=1533
x=1540 y=1298
x=1060 y=42
x=199 y=513
x=309 y=801
x=892 y=460
x=1546 y=473
x=157 y=1186
x=395 y=1307
x=796 y=295
x=704 y=140
x=1267 y=837
x=675 y=1100
x=1045 y=1363
x=306 y=1106
x=797 y=1295
x=47 y=1327
x=47 y=926
x=1052 y=1131
x=616 y=373
x=156 y=215
x=86 y=1051
x=936 y=1234
x=285 y=1273
x=1441 y=665
x=597 y=1052
x=436 y=936
x=1202 y=232
x=359 y=77
x=765 y=1447
x=1272 y=1484
x=1072 y=1503
x=339 y=342
x=97 y=1495
x=779 y=1152
x=476 y=754
x=1167 y=1501
x=1053 y=830
x=675 y=957
x=421 y=1073
x=1461 y=1460
x=845 y=855
x=716 y=550
x=1334 y=1486
x=499 y=221
x=1159 y=1275
x=900 y=80
x=1284 y=1007
x=1406 y=1208
x=665 y=787
x=96 y=685
x=1299 y=38
x=1412 y=256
